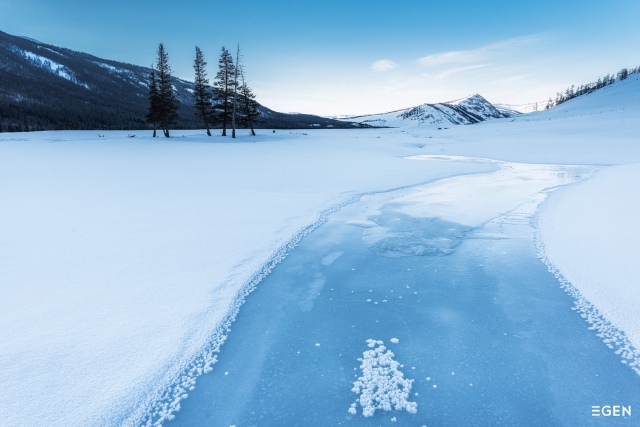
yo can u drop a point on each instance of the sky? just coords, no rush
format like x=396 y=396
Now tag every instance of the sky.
x=356 y=57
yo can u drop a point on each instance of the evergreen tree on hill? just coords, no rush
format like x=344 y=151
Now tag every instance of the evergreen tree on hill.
x=201 y=92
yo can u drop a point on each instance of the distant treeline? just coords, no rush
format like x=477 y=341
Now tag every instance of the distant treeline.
x=583 y=89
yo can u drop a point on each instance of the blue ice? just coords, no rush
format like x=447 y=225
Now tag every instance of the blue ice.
x=478 y=325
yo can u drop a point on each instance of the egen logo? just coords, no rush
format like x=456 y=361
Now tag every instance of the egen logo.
x=611 y=411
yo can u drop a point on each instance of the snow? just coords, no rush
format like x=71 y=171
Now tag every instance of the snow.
x=467 y=110
x=54 y=67
x=382 y=385
x=124 y=73
x=110 y=67
x=522 y=108
x=122 y=259
x=590 y=233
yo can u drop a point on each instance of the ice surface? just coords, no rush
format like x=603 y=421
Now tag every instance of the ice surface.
x=482 y=312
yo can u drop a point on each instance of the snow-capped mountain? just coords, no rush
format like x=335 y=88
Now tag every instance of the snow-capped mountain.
x=516 y=109
x=46 y=87
x=473 y=109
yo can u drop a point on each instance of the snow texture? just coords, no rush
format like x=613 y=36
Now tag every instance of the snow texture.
x=382 y=385
x=589 y=238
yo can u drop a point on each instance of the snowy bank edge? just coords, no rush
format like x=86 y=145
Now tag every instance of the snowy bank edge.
x=613 y=337
x=164 y=401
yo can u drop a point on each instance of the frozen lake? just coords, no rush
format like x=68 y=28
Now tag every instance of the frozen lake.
x=472 y=315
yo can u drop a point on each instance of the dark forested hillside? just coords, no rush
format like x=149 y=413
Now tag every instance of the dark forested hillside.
x=44 y=87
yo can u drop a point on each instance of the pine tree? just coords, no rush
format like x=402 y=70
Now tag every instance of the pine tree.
x=248 y=108
x=168 y=104
x=549 y=104
x=154 y=101
x=623 y=74
x=201 y=92
x=224 y=86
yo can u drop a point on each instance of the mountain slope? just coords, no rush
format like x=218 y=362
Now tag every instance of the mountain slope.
x=45 y=87
x=612 y=100
x=473 y=109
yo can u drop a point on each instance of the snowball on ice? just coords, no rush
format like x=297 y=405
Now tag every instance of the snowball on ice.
x=382 y=385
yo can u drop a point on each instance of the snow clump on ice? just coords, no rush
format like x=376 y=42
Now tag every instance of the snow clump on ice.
x=382 y=385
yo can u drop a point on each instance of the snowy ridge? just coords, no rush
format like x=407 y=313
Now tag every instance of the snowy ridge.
x=613 y=337
x=473 y=109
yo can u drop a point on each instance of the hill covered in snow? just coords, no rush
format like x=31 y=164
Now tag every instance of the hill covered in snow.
x=605 y=104
x=45 y=87
x=465 y=111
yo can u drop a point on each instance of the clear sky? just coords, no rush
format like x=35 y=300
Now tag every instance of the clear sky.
x=353 y=56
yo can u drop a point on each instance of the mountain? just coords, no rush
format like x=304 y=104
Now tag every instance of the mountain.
x=44 y=87
x=516 y=109
x=473 y=109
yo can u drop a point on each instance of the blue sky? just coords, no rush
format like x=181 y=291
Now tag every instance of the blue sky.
x=356 y=57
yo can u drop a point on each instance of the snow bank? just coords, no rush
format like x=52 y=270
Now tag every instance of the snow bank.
x=590 y=235
x=123 y=260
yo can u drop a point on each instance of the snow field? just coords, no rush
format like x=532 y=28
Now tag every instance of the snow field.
x=122 y=258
